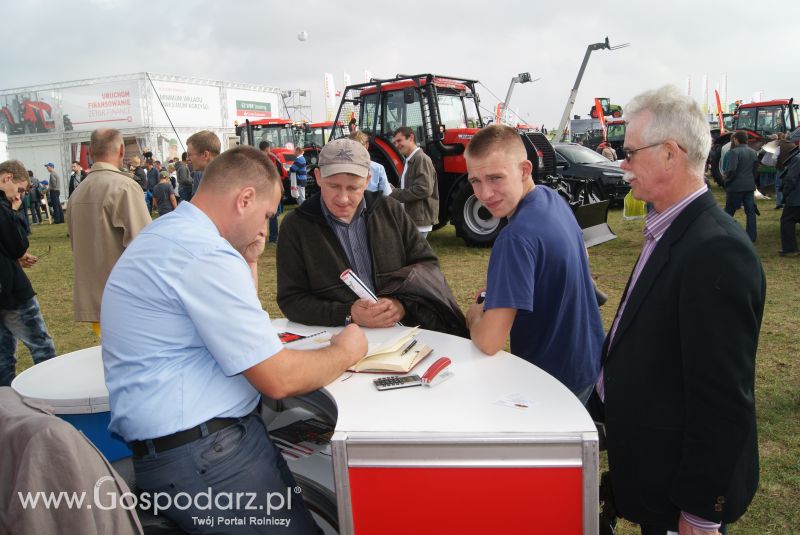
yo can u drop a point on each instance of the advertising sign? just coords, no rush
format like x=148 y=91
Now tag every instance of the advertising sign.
x=245 y=104
x=111 y=105
x=27 y=113
x=187 y=105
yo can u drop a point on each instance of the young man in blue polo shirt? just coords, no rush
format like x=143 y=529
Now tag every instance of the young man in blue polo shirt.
x=538 y=286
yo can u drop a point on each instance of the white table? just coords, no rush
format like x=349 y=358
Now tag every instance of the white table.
x=450 y=459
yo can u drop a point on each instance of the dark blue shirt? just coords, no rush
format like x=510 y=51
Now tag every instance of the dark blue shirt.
x=299 y=169
x=539 y=267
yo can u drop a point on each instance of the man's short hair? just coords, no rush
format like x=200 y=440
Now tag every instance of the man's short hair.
x=240 y=167
x=361 y=137
x=740 y=136
x=76 y=162
x=205 y=140
x=105 y=142
x=674 y=116
x=184 y=156
x=405 y=131
x=263 y=145
x=17 y=170
x=496 y=137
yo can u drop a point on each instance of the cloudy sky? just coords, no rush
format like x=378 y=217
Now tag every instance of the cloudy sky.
x=256 y=42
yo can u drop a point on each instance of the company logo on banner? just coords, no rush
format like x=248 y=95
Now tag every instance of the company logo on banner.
x=250 y=109
x=112 y=105
x=247 y=104
x=187 y=104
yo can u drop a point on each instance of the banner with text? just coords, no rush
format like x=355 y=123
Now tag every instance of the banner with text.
x=187 y=105
x=254 y=105
x=109 y=105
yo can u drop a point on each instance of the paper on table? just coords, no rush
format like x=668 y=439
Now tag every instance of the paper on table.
x=516 y=400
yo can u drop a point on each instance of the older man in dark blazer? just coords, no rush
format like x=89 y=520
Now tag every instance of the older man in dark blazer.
x=679 y=362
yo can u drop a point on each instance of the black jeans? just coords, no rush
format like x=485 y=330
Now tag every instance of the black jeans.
x=55 y=203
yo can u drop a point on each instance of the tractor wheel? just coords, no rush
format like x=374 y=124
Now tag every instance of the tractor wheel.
x=29 y=127
x=5 y=126
x=474 y=223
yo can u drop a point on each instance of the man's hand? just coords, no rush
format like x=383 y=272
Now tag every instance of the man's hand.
x=352 y=342
x=253 y=251
x=28 y=260
x=386 y=312
x=684 y=528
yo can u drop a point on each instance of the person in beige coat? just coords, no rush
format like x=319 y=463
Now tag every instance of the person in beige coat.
x=419 y=186
x=105 y=214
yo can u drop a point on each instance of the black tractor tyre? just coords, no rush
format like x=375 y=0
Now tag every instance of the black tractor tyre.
x=474 y=223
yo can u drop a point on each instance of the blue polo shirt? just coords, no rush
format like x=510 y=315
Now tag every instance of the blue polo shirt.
x=180 y=322
x=539 y=267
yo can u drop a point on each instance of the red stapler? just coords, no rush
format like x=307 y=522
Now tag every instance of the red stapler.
x=437 y=373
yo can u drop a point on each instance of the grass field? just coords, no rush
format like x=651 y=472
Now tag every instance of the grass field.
x=775 y=509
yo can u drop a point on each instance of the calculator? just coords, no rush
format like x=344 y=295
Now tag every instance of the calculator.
x=390 y=383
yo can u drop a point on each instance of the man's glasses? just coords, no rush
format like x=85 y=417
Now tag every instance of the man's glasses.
x=628 y=153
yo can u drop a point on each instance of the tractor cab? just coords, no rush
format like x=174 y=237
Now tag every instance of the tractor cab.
x=314 y=134
x=762 y=119
x=279 y=132
x=443 y=113
x=615 y=135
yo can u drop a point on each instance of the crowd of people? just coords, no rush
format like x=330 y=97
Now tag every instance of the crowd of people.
x=184 y=392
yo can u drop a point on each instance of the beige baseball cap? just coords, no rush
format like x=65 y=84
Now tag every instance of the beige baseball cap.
x=344 y=156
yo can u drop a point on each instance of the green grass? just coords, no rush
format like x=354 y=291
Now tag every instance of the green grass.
x=774 y=510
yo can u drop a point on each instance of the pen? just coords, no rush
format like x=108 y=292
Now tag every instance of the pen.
x=408 y=347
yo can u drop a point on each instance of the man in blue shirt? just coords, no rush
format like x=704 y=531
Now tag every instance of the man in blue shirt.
x=184 y=399
x=299 y=169
x=538 y=286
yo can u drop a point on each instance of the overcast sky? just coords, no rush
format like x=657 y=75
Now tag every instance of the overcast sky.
x=48 y=41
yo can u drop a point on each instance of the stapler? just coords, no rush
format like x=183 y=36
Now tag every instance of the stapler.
x=438 y=372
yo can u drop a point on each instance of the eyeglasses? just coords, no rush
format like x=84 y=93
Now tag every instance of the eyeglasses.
x=628 y=153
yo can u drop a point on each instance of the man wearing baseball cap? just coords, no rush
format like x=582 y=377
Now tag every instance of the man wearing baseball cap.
x=346 y=227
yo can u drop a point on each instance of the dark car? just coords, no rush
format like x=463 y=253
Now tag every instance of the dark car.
x=577 y=161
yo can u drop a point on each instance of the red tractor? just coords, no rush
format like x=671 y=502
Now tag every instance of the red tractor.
x=281 y=134
x=444 y=114
x=22 y=114
x=758 y=120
